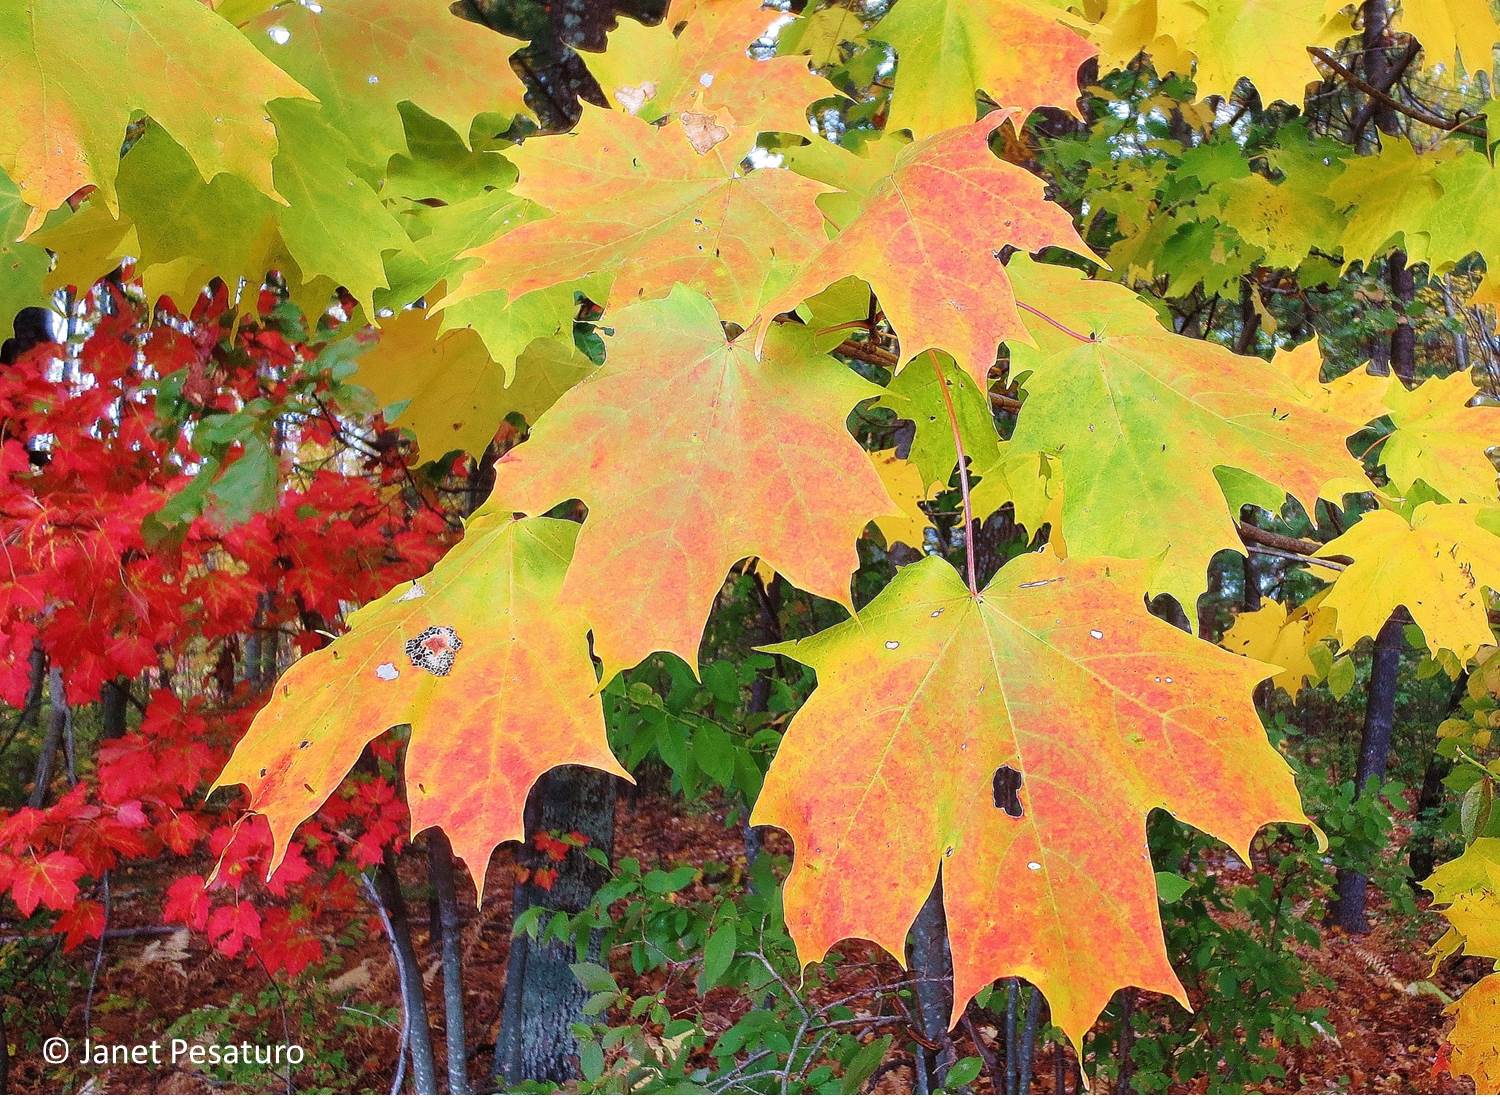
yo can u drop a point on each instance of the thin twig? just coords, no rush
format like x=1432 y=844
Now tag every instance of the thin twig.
x=1426 y=118
x=88 y=998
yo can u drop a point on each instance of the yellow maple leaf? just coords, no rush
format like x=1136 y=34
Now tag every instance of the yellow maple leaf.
x=1442 y=439
x=1436 y=566
x=1474 y=1040
x=907 y=490
x=1284 y=638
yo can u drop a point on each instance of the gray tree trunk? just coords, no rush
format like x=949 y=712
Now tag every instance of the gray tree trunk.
x=931 y=964
x=1374 y=749
x=542 y=998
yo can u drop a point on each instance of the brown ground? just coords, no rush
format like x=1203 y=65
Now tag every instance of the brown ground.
x=1387 y=1036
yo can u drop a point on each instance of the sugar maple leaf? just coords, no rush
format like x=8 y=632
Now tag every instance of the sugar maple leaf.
x=1284 y=638
x=334 y=225
x=1015 y=51
x=23 y=264
x=1437 y=567
x=1147 y=425
x=452 y=394
x=691 y=455
x=696 y=61
x=1441 y=439
x=49 y=880
x=72 y=92
x=1465 y=29
x=927 y=240
x=1016 y=739
x=907 y=489
x=362 y=58
x=484 y=662
x=1263 y=40
x=637 y=202
x=1474 y=1040
x=1467 y=889
x=1388 y=197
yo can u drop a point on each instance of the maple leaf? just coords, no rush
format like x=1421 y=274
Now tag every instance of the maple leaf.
x=1441 y=439
x=183 y=231
x=1162 y=439
x=1436 y=566
x=927 y=240
x=696 y=61
x=49 y=880
x=1387 y=198
x=1016 y=739
x=1264 y=41
x=1357 y=397
x=635 y=201
x=72 y=94
x=363 y=59
x=1285 y=221
x=1467 y=890
x=947 y=51
x=922 y=395
x=907 y=490
x=1284 y=638
x=328 y=206
x=820 y=32
x=84 y=921
x=1474 y=1039
x=1465 y=29
x=479 y=656
x=233 y=926
x=691 y=455
x=23 y=264
x=451 y=393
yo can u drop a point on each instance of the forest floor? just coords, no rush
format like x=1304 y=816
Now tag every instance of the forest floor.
x=1383 y=1038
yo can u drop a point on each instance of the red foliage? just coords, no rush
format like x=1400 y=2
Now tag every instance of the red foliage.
x=123 y=566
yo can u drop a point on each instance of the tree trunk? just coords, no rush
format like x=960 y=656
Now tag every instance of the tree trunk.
x=387 y=888
x=1422 y=857
x=931 y=965
x=57 y=725
x=449 y=940
x=542 y=998
x=1374 y=749
x=113 y=700
x=1404 y=336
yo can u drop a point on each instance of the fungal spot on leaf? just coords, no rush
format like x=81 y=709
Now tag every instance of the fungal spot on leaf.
x=1007 y=789
x=434 y=649
x=304 y=744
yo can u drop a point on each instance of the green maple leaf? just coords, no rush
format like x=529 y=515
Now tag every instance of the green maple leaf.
x=76 y=71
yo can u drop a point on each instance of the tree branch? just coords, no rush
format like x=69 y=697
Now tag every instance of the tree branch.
x=1426 y=118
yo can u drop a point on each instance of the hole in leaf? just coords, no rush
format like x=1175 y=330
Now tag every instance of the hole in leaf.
x=1007 y=789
